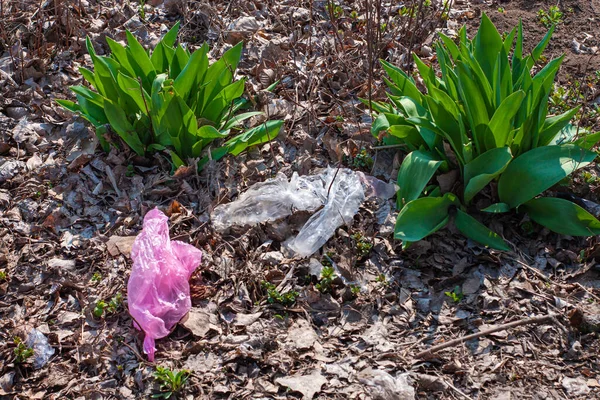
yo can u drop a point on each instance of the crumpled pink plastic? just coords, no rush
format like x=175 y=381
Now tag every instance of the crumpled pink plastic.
x=158 y=291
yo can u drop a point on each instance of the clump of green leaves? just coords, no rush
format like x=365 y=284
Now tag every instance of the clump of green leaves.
x=171 y=383
x=456 y=295
x=96 y=277
x=362 y=160
x=381 y=278
x=169 y=99
x=410 y=11
x=551 y=17
x=101 y=308
x=22 y=351
x=335 y=10
x=327 y=277
x=492 y=112
x=142 y=11
x=363 y=245
x=3 y=275
x=274 y=296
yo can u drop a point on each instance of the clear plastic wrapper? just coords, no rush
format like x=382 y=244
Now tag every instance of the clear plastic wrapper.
x=42 y=351
x=336 y=193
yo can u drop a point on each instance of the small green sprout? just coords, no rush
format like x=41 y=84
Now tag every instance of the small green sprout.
x=501 y=10
x=527 y=227
x=589 y=177
x=130 y=171
x=381 y=278
x=410 y=12
x=363 y=245
x=362 y=160
x=274 y=296
x=335 y=10
x=3 y=275
x=142 y=11
x=551 y=17
x=171 y=384
x=22 y=351
x=99 y=309
x=327 y=277
x=355 y=290
x=115 y=303
x=97 y=277
x=111 y=307
x=456 y=295
x=354 y=15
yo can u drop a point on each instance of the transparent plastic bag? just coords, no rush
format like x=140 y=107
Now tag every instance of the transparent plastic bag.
x=338 y=191
x=42 y=351
x=346 y=194
x=270 y=200
x=158 y=291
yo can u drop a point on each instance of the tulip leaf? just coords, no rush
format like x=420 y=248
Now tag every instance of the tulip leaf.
x=562 y=216
x=539 y=169
x=478 y=232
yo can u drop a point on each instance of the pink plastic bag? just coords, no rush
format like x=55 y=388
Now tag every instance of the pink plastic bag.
x=158 y=291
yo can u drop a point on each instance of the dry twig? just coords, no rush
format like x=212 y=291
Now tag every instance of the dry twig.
x=527 y=321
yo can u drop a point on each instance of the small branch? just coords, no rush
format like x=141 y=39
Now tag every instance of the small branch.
x=541 y=275
x=333 y=180
x=455 y=342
